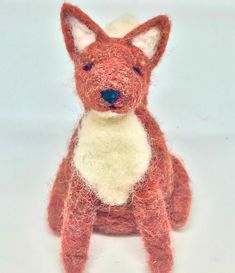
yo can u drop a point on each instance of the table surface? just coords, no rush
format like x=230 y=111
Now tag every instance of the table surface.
x=192 y=96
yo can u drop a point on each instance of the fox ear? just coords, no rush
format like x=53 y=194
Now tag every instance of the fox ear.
x=151 y=38
x=79 y=30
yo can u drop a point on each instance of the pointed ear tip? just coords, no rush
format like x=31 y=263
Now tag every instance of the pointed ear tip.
x=165 y=20
x=161 y=21
x=66 y=7
x=164 y=23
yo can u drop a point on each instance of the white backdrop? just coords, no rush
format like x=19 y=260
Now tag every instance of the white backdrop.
x=192 y=96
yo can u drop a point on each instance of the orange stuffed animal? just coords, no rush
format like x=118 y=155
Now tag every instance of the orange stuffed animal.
x=118 y=176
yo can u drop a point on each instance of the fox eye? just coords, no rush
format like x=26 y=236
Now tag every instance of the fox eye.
x=137 y=70
x=87 y=67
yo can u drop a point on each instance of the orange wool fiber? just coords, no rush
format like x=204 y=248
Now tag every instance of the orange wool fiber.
x=161 y=200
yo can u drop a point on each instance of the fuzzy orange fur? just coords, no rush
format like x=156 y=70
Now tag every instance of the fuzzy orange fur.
x=161 y=200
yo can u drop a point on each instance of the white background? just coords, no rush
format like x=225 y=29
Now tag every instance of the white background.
x=192 y=96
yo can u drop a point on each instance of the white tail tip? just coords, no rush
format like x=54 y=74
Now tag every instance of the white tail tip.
x=121 y=26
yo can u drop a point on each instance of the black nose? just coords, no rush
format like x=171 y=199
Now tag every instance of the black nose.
x=110 y=95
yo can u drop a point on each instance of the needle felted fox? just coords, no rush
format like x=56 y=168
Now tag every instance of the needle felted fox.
x=118 y=176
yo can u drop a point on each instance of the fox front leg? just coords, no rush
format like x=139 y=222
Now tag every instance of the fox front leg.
x=79 y=217
x=154 y=227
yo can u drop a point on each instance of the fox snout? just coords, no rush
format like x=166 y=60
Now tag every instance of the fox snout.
x=113 y=82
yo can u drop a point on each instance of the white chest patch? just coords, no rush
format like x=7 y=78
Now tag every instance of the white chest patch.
x=112 y=154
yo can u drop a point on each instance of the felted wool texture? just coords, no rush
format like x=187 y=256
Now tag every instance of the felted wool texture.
x=81 y=34
x=112 y=59
x=112 y=155
x=158 y=202
x=148 y=41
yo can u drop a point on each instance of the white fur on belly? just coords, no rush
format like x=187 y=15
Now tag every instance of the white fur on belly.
x=112 y=155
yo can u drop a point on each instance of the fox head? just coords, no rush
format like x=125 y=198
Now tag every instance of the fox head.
x=112 y=74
